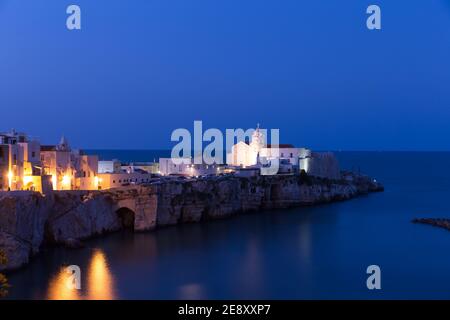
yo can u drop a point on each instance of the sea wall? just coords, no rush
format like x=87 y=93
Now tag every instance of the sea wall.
x=29 y=220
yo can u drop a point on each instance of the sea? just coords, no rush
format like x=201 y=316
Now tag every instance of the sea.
x=318 y=252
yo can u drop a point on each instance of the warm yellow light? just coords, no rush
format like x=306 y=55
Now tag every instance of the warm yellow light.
x=100 y=279
x=97 y=181
x=66 y=180
x=10 y=178
x=100 y=284
x=27 y=180
x=54 y=182
x=58 y=288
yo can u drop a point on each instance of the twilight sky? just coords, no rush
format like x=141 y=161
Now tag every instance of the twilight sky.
x=139 y=69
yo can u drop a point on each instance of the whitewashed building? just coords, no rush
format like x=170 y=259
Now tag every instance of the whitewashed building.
x=69 y=169
x=257 y=151
x=187 y=168
x=321 y=164
x=109 y=166
x=115 y=180
x=291 y=159
x=20 y=166
x=143 y=167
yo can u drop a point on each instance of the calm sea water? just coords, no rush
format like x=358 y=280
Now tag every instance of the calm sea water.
x=304 y=253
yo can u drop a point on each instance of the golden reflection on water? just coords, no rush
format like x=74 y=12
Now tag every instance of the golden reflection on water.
x=59 y=288
x=100 y=282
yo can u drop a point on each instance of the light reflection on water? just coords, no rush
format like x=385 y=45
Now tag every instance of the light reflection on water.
x=100 y=282
x=59 y=288
x=319 y=252
x=192 y=291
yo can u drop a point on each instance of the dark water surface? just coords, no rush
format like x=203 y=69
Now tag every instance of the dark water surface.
x=304 y=253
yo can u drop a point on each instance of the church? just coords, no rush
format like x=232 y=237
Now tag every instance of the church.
x=245 y=154
x=291 y=159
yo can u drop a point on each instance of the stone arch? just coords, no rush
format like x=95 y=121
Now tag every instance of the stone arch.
x=126 y=212
x=127 y=217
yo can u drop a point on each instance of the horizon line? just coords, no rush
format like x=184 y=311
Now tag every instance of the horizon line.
x=318 y=150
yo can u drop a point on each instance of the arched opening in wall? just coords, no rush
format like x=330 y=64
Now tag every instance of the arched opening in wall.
x=127 y=217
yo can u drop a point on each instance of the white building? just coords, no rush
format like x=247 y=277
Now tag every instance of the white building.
x=291 y=159
x=69 y=169
x=257 y=151
x=114 y=174
x=143 y=167
x=283 y=152
x=115 y=180
x=109 y=166
x=20 y=167
x=321 y=164
x=187 y=168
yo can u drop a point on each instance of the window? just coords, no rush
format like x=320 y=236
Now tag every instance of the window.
x=292 y=155
x=114 y=181
x=282 y=154
x=33 y=154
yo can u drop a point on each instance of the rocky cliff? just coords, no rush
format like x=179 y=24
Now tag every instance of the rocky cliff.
x=29 y=220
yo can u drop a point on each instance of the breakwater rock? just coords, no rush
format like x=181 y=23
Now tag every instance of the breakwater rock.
x=435 y=222
x=29 y=220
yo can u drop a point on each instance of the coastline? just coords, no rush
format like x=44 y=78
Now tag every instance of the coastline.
x=30 y=220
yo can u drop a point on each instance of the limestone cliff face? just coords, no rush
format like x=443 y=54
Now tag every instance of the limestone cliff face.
x=80 y=215
x=193 y=201
x=28 y=220
x=22 y=219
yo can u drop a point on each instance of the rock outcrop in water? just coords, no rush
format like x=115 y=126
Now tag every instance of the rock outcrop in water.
x=435 y=222
x=28 y=219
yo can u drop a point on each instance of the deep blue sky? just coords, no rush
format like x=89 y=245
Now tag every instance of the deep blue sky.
x=140 y=68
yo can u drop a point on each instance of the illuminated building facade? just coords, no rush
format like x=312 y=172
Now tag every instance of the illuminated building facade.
x=187 y=168
x=20 y=167
x=25 y=164
x=291 y=159
x=249 y=154
x=70 y=169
